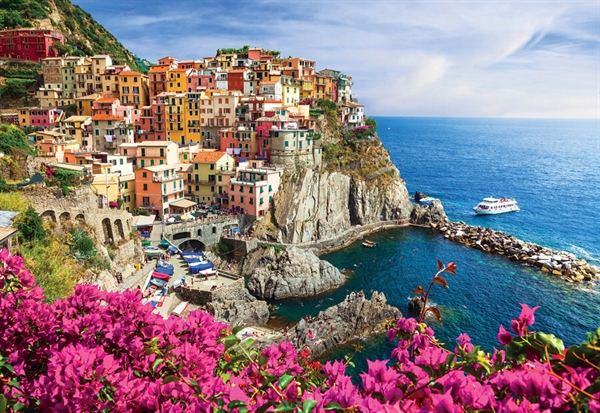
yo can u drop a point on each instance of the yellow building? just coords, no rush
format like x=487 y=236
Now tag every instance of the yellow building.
x=177 y=80
x=128 y=191
x=307 y=90
x=175 y=113
x=290 y=95
x=134 y=89
x=85 y=104
x=192 y=118
x=84 y=80
x=76 y=128
x=206 y=175
x=24 y=117
x=106 y=185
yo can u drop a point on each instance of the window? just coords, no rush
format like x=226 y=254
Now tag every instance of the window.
x=145 y=187
x=144 y=175
x=251 y=201
x=232 y=198
x=212 y=166
x=242 y=199
x=220 y=178
x=286 y=144
x=261 y=201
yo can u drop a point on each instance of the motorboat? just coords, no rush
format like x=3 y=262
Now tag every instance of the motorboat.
x=492 y=206
x=369 y=244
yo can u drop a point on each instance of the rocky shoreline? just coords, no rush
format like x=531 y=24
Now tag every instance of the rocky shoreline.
x=557 y=263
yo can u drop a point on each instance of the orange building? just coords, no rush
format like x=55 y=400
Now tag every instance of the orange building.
x=157 y=187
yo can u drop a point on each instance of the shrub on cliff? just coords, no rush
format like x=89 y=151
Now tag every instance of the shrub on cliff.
x=101 y=351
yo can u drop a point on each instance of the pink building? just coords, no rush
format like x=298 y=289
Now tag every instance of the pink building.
x=252 y=190
x=29 y=44
x=44 y=117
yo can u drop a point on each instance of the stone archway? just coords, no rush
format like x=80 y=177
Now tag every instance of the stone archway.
x=65 y=216
x=80 y=218
x=48 y=216
x=119 y=227
x=182 y=235
x=192 y=245
x=107 y=230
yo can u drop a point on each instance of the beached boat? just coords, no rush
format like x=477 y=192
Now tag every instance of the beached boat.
x=492 y=206
x=369 y=244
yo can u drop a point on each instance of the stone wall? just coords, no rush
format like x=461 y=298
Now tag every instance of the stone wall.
x=239 y=247
x=206 y=231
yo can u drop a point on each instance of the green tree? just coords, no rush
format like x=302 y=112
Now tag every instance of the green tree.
x=15 y=89
x=30 y=226
x=4 y=187
x=12 y=137
x=371 y=123
x=11 y=19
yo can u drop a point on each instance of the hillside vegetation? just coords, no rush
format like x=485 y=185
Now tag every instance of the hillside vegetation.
x=85 y=36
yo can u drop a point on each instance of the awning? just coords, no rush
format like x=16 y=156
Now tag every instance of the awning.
x=143 y=221
x=183 y=203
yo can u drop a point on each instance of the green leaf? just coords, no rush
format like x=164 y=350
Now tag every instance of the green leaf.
x=308 y=406
x=237 y=329
x=2 y=404
x=285 y=407
x=262 y=360
x=156 y=363
x=333 y=406
x=265 y=407
x=235 y=404
x=170 y=379
x=594 y=388
x=284 y=381
x=411 y=376
x=18 y=407
x=427 y=369
x=226 y=377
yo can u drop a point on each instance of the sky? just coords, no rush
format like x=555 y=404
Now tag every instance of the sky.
x=524 y=59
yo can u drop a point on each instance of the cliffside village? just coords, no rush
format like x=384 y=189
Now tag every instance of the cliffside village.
x=220 y=130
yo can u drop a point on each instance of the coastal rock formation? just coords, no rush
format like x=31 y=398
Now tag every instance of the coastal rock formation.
x=356 y=316
x=238 y=313
x=419 y=195
x=416 y=304
x=291 y=272
x=236 y=306
x=559 y=263
x=432 y=215
x=314 y=205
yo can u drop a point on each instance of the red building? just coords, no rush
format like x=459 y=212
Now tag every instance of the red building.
x=29 y=44
x=235 y=80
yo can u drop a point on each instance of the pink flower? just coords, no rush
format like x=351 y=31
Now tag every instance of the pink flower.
x=504 y=337
x=526 y=318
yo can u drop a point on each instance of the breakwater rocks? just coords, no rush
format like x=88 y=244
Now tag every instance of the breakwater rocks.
x=277 y=272
x=558 y=263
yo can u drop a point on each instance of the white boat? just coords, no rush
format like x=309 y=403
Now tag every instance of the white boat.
x=491 y=206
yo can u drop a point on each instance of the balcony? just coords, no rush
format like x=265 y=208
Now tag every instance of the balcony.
x=170 y=190
x=200 y=182
x=158 y=178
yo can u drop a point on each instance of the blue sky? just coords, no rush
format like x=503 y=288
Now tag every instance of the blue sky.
x=407 y=58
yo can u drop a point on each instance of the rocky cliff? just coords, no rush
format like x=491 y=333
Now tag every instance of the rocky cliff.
x=313 y=205
x=292 y=272
x=431 y=215
x=242 y=309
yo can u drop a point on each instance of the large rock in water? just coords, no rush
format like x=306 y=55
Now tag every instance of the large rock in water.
x=427 y=215
x=239 y=308
x=356 y=316
x=291 y=272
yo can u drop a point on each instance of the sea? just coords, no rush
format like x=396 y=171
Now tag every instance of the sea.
x=550 y=166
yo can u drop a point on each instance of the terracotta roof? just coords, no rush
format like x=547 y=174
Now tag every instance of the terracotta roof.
x=106 y=100
x=203 y=157
x=107 y=117
x=159 y=69
x=130 y=73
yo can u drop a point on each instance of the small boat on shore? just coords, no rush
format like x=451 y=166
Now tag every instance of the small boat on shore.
x=492 y=206
x=369 y=244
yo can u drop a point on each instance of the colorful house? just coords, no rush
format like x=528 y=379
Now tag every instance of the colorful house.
x=156 y=187
x=44 y=117
x=30 y=44
x=154 y=153
x=52 y=144
x=134 y=89
x=251 y=191
x=205 y=179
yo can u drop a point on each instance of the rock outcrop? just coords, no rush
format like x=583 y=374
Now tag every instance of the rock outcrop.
x=235 y=306
x=247 y=311
x=356 y=316
x=432 y=215
x=276 y=273
x=558 y=263
x=313 y=205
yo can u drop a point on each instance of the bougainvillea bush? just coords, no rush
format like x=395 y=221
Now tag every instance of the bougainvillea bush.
x=103 y=352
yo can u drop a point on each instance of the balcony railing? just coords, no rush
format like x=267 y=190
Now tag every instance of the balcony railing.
x=200 y=182
x=163 y=178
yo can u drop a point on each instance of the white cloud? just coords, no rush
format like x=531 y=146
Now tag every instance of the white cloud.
x=468 y=58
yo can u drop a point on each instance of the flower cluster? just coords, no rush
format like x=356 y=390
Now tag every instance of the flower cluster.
x=100 y=351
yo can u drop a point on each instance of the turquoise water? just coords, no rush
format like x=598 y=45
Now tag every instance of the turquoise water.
x=551 y=167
